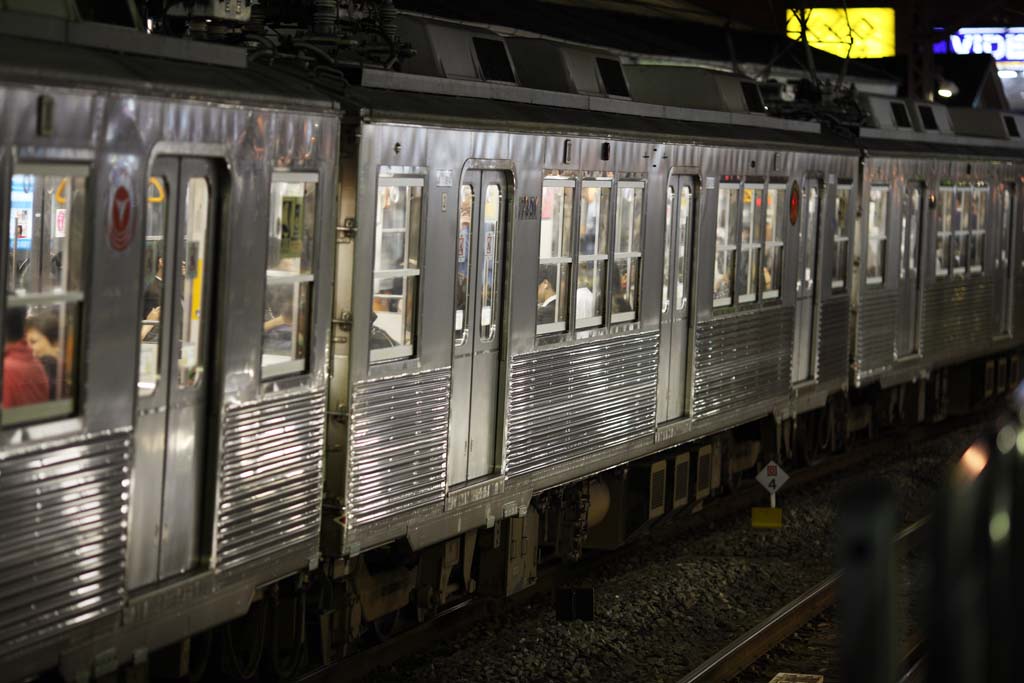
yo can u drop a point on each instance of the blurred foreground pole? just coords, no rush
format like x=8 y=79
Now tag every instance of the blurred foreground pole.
x=867 y=525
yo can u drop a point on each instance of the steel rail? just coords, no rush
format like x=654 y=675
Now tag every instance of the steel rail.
x=740 y=654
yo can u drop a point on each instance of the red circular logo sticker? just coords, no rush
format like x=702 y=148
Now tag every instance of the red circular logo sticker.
x=120 y=232
x=794 y=203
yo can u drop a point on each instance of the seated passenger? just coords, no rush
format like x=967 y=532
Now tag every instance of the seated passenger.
x=42 y=332
x=547 y=300
x=24 y=378
x=277 y=331
x=621 y=301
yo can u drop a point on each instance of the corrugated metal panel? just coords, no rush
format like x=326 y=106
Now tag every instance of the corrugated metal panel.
x=876 y=330
x=271 y=477
x=957 y=319
x=834 y=339
x=398 y=444
x=742 y=360
x=569 y=401
x=63 y=516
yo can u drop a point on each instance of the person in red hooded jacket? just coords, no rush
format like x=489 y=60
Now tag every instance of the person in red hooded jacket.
x=24 y=378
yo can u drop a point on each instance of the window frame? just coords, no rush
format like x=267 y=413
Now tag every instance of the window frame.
x=877 y=280
x=945 y=199
x=722 y=303
x=775 y=244
x=978 y=228
x=556 y=327
x=50 y=411
x=595 y=321
x=295 y=366
x=414 y=178
x=636 y=254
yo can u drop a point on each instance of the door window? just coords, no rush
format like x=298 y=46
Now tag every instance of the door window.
x=463 y=249
x=158 y=211
x=193 y=303
x=666 y=291
x=841 y=238
x=396 y=269
x=878 y=212
x=685 y=210
x=491 y=259
x=979 y=225
x=944 y=231
x=289 y=280
x=44 y=293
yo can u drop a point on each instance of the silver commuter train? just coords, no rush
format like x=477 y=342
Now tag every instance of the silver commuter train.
x=529 y=293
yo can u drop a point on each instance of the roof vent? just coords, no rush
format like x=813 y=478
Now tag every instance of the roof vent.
x=493 y=59
x=927 y=117
x=752 y=96
x=612 y=77
x=899 y=114
x=1011 y=126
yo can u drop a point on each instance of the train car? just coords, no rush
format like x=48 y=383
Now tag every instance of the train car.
x=517 y=298
x=162 y=431
x=541 y=285
x=939 y=252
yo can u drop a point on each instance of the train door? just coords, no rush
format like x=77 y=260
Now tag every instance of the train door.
x=175 y=370
x=806 y=320
x=910 y=282
x=1003 y=269
x=477 y=349
x=675 y=298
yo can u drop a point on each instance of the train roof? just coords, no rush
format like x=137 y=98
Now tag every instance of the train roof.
x=44 y=50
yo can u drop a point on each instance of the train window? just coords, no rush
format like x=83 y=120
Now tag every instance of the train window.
x=595 y=202
x=625 y=283
x=396 y=271
x=841 y=238
x=961 y=229
x=463 y=249
x=191 y=350
x=555 y=260
x=491 y=218
x=748 y=259
x=670 y=196
x=289 y=280
x=150 y=333
x=44 y=293
x=771 y=272
x=725 y=244
x=979 y=223
x=682 y=265
x=943 y=231
x=878 y=214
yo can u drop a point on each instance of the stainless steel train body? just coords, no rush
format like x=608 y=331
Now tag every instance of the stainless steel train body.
x=159 y=484
x=948 y=285
x=444 y=439
x=525 y=294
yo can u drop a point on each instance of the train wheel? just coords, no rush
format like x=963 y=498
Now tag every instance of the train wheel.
x=384 y=627
x=286 y=637
x=242 y=643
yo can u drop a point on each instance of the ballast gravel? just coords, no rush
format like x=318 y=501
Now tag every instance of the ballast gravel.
x=671 y=599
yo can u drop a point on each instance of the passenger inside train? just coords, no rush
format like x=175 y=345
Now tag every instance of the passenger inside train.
x=24 y=378
x=42 y=333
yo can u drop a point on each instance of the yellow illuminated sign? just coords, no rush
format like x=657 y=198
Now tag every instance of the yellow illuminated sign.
x=829 y=29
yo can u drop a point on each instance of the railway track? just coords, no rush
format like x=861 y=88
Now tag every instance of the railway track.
x=743 y=652
x=418 y=638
